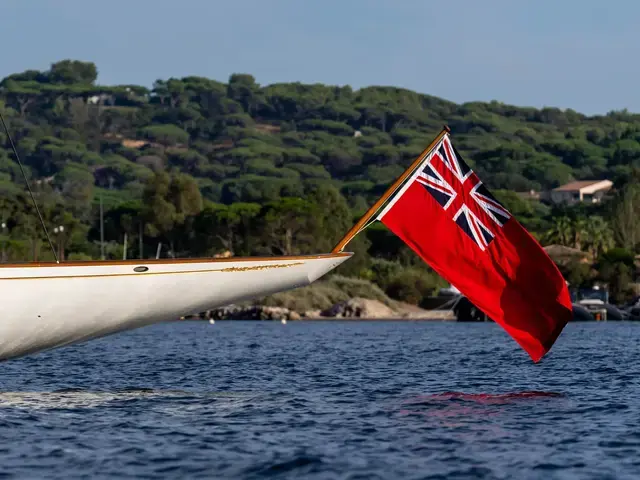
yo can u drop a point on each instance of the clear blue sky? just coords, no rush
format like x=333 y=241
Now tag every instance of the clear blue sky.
x=580 y=54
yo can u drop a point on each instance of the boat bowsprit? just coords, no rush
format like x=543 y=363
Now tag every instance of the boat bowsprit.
x=51 y=305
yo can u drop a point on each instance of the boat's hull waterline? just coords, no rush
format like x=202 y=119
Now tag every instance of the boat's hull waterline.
x=48 y=306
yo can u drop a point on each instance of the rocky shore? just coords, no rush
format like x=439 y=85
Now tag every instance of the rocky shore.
x=354 y=308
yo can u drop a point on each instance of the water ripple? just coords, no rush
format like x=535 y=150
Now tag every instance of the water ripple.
x=325 y=400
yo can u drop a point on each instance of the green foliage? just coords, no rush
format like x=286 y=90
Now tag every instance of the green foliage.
x=325 y=293
x=287 y=219
x=169 y=201
x=331 y=126
x=75 y=183
x=225 y=228
x=626 y=217
x=384 y=174
x=512 y=202
x=259 y=166
x=11 y=169
x=411 y=285
x=616 y=269
x=578 y=274
x=165 y=134
x=382 y=272
x=309 y=171
x=73 y=72
x=288 y=168
x=258 y=189
x=117 y=171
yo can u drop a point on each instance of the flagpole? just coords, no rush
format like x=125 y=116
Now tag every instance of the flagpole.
x=390 y=191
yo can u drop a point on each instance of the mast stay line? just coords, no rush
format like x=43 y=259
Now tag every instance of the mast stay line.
x=26 y=180
x=364 y=222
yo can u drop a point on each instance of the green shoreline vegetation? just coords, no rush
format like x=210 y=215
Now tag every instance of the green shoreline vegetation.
x=212 y=168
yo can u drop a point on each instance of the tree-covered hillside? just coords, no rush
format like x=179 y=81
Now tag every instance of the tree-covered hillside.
x=207 y=167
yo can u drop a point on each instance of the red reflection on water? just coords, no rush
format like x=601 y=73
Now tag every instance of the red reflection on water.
x=459 y=408
x=482 y=398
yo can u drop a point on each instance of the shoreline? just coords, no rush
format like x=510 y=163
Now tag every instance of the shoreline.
x=325 y=319
x=355 y=309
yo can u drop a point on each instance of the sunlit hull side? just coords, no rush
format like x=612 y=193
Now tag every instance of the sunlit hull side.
x=48 y=305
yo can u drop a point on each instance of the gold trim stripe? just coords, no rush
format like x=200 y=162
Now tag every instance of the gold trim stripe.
x=173 y=261
x=259 y=267
x=222 y=270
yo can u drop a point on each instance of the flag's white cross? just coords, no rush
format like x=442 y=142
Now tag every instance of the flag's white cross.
x=451 y=182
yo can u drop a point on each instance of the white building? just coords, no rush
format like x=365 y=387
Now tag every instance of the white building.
x=586 y=191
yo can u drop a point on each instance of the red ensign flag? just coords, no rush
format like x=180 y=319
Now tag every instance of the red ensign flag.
x=449 y=218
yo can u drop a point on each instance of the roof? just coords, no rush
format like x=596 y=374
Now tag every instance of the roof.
x=579 y=185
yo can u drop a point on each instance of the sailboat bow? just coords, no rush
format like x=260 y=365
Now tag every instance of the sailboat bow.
x=48 y=305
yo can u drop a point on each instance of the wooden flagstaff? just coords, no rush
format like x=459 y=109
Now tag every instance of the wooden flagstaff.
x=390 y=191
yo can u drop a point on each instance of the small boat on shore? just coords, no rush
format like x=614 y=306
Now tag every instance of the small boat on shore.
x=595 y=301
x=584 y=311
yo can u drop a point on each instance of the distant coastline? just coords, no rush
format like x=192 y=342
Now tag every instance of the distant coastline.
x=355 y=309
x=197 y=168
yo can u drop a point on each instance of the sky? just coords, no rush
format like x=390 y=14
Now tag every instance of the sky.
x=579 y=54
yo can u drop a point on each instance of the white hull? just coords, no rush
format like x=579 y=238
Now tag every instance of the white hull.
x=47 y=306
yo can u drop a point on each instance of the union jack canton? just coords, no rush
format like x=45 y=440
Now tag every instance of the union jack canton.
x=453 y=184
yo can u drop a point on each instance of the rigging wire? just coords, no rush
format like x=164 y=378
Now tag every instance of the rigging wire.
x=26 y=181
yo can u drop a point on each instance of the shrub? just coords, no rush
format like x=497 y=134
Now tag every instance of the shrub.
x=411 y=285
x=166 y=134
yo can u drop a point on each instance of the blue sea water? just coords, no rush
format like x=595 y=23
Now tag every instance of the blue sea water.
x=324 y=400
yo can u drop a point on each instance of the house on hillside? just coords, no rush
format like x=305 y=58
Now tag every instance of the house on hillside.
x=585 y=191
